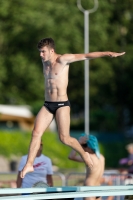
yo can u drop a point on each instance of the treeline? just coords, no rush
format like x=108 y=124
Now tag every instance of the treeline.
x=16 y=144
x=23 y=23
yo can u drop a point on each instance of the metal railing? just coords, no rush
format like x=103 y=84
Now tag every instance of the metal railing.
x=108 y=179
x=8 y=180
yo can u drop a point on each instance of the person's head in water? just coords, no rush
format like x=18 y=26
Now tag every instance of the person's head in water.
x=46 y=48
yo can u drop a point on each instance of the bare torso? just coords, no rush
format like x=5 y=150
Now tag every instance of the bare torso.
x=56 y=80
x=93 y=176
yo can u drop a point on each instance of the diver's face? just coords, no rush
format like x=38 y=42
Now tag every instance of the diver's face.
x=46 y=53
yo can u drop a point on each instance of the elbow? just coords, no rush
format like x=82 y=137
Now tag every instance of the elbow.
x=70 y=157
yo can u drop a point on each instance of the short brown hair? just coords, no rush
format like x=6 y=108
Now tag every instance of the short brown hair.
x=49 y=42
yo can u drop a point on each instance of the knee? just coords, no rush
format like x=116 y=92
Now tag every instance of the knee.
x=65 y=139
x=36 y=133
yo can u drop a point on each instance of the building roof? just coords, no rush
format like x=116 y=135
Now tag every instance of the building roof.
x=13 y=110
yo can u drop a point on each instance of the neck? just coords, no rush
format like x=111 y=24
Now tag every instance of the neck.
x=90 y=151
x=38 y=154
x=53 y=59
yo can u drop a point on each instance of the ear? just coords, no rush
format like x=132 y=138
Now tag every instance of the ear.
x=52 y=50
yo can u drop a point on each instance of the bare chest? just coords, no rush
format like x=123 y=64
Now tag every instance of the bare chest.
x=54 y=72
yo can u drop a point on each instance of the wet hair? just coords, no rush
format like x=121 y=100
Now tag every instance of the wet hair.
x=84 y=145
x=49 y=42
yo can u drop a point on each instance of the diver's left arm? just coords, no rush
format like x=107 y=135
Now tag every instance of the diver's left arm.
x=69 y=58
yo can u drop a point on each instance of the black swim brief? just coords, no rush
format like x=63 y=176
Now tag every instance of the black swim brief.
x=53 y=106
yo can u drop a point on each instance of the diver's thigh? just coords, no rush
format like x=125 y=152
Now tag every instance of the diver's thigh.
x=43 y=119
x=63 y=119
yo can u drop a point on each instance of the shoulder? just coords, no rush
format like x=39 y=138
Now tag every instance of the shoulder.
x=23 y=160
x=24 y=157
x=65 y=58
x=102 y=158
x=45 y=157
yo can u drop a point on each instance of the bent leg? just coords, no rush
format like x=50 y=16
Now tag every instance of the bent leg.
x=63 y=124
x=42 y=121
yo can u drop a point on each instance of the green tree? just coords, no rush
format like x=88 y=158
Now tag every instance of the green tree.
x=24 y=23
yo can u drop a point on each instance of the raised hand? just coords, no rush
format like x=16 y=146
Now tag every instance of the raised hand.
x=114 y=54
x=83 y=140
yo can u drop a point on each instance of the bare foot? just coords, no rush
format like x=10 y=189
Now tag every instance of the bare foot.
x=88 y=160
x=25 y=170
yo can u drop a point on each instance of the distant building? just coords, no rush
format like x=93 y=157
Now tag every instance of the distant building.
x=18 y=117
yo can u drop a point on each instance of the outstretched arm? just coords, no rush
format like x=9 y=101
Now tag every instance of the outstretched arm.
x=69 y=58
